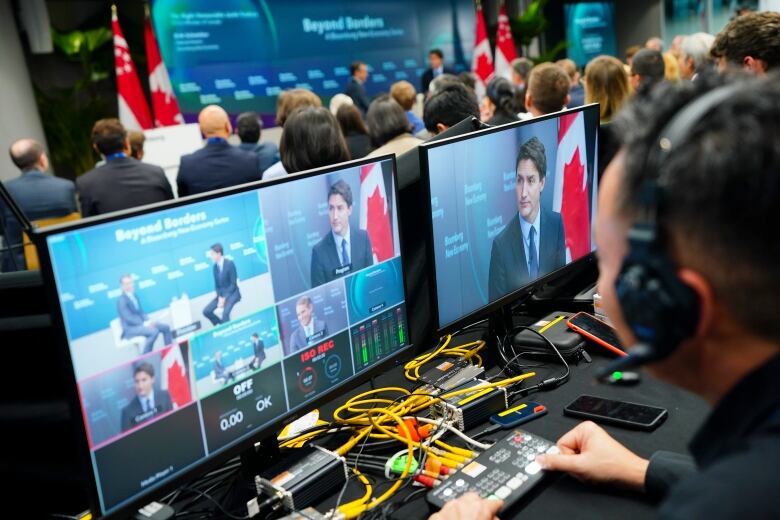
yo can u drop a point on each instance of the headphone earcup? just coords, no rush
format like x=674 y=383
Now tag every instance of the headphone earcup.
x=660 y=309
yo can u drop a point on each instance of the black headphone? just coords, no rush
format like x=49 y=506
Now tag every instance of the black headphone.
x=660 y=309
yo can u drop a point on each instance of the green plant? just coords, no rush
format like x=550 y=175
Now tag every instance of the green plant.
x=531 y=24
x=69 y=113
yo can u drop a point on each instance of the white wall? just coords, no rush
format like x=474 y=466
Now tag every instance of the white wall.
x=18 y=112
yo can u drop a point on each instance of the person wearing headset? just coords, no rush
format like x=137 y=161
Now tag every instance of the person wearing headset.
x=698 y=292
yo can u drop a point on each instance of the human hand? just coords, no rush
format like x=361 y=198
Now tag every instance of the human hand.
x=468 y=507
x=590 y=454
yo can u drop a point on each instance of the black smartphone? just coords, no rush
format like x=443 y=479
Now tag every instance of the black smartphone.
x=619 y=413
x=597 y=331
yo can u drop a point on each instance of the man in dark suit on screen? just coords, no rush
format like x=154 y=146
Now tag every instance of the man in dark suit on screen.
x=343 y=250
x=259 y=350
x=533 y=242
x=310 y=329
x=225 y=285
x=134 y=320
x=147 y=402
x=356 y=86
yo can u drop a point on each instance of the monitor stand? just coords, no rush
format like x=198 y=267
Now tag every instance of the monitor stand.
x=258 y=457
x=499 y=325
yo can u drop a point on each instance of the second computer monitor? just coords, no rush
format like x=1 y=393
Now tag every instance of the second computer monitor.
x=509 y=206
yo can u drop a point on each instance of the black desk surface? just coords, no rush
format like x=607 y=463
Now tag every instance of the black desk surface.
x=563 y=496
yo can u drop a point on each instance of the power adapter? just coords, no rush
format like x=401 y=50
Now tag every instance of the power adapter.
x=470 y=410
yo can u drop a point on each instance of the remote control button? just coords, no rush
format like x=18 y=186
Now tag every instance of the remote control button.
x=540 y=449
x=493 y=497
x=530 y=456
x=514 y=483
x=533 y=468
x=460 y=482
x=553 y=450
x=503 y=492
x=447 y=492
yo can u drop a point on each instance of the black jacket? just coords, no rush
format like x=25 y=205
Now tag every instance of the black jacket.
x=216 y=165
x=357 y=91
x=427 y=77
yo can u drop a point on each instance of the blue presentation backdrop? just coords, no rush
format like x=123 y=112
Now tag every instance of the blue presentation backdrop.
x=590 y=30
x=166 y=253
x=374 y=289
x=242 y=53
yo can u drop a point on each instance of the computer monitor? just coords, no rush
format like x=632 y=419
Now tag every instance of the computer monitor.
x=194 y=328
x=509 y=206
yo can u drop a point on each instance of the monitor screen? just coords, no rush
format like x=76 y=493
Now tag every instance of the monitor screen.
x=508 y=206
x=590 y=30
x=198 y=325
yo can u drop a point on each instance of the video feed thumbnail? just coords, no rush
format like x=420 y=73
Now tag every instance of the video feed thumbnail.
x=312 y=316
x=333 y=226
x=374 y=289
x=378 y=337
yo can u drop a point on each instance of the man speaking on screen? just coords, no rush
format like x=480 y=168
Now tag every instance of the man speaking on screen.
x=533 y=243
x=343 y=250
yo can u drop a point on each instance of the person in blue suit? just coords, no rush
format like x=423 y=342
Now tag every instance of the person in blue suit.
x=249 y=127
x=356 y=86
x=147 y=402
x=225 y=285
x=310 y=328
x=135 y=321
x=343 y=250
x=533 y=242
x=218 y=164
x=37 y=194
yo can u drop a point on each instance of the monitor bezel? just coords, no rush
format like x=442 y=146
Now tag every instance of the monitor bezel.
x=235 y=448
x=494 y=306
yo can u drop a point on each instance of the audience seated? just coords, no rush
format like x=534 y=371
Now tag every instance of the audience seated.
x=121 y=182
x=576 y=90
x=694 y=54
x=436 y=68
x=469 y=79
x=404 y=94
x=338 y=101
x=655 y=43
x=137 y=139
x=548 y=90
x=354 y=130
x=218 y=164
x=630 y=52
x=499 y=104
x=450 y=105
x=671 y=68
x=389 y=128
x=439 y=81
x=249 y=128
x=647 y=69
x=288 y=102
x=311 y=138
x=750 y=41
x=606 y=83
x=521 y=68
x=37 y=194
x=356 y=88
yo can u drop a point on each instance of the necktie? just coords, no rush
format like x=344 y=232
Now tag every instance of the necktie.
x=533 y=264
x=145 y=402
x=344 y=253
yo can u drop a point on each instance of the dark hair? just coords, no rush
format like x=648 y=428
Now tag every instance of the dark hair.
x=108 y=136
x=255 y=335
x=468 y=79
x=136 y=139
x=144 y=367
x=649 y=64
x=291 y=100
x=248 y=127
x=341 y=188
x=548 y=85
x=311 y=138
x=350 y=120
x=502 y=94
x=354 y=67
x=386 y=120
x=533 y=150
x=449 y=106
x=29 y=154
x=217 y=248
x=720 y=188
x=751 y=34
x=437 y=52
x=522 y=67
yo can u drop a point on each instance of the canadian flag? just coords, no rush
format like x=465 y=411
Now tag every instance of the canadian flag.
x=482 y=60
x=174 y=376
x=133 y=110
x=164 y=105
x=505 y=46
x=572 y=193
x=374 y=211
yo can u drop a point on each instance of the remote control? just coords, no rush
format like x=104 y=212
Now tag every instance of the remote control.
x=505 y=471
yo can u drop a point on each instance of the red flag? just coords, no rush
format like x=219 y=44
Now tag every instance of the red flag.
x=174 y=376
x=482 y=60
x=571 y=185
x=374 y=211
x=164 y=105
x=133 y=110
x=505 y=45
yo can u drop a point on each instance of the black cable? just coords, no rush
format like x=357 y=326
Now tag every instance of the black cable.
x=215 y=502
x=551 y=382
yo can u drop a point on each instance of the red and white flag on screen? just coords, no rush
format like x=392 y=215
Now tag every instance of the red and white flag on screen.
x=174 y=376
x=482 y=59
x=133 y=110
x=164 y=104
x=375 y=211
x=572 y=193
x=505 y=46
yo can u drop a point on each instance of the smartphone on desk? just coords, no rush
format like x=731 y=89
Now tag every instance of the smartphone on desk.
x=619 y=413
x=597 y=331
